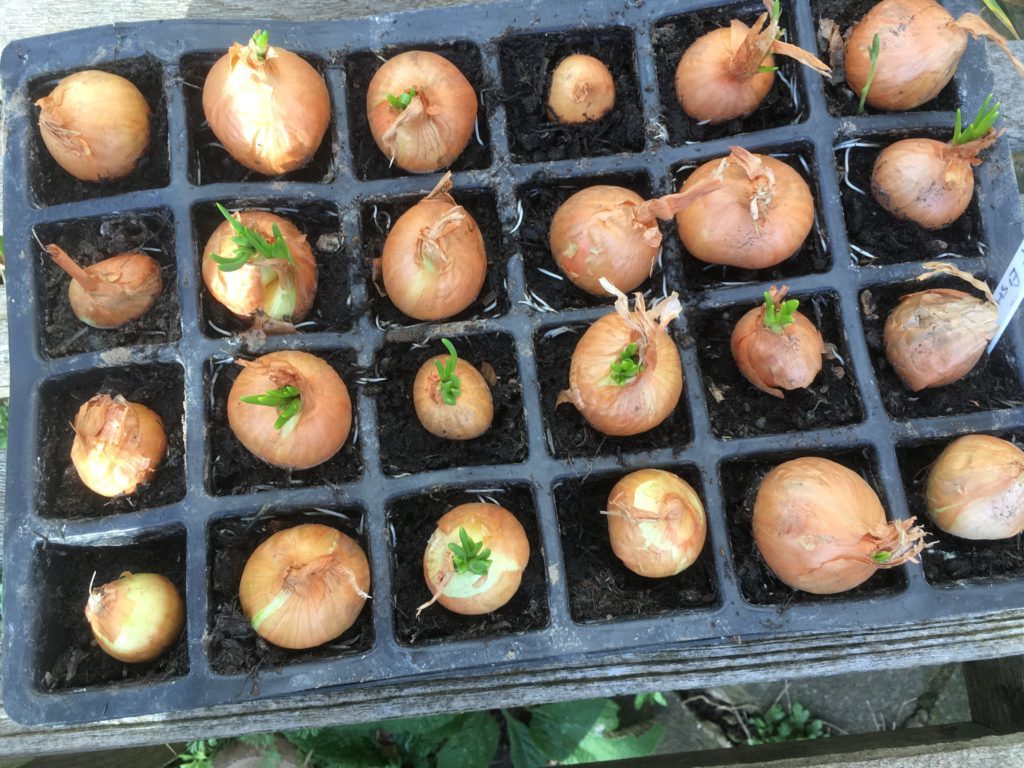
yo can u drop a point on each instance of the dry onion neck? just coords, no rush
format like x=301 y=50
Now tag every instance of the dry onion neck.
x=978 y=28
x=933 y=268
x=901 y=542
x=416 y=115
x=778 y=313
x=93 y=284
x=762 y=180
x=430 y=253
x=449 y=384
x=646 y=323
x=764 y=38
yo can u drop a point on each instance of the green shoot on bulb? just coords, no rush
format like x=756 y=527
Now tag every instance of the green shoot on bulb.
x=979 y=126
x=261 y=42
x=451 y=385
x=287 y=400
x=778 y=316
x=876 y=46
x=470 y=556
x=248 y=244
x=628 y=366
x=403 y=100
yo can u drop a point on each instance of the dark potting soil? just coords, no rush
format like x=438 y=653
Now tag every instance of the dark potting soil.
x=231 y=469
x=407 y=447
x=411 y=521
x=992 y=384
x=953 y=560
x=758 y=585
x=89 y=241
x=62 y=492
x=841 y=99
x=360 y=67
x=234 y=647
x=376 y=218
x=784 y=105
x=813 y=255
x=50 y=184
x=601 y=588
x=527 y=62
x=332 y=308
x=67 y=655
x=888 y=239
x=568 y=434
x=738 y=409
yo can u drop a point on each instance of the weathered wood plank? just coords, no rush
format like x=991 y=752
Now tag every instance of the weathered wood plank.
x=5 y=357
x=995 y=689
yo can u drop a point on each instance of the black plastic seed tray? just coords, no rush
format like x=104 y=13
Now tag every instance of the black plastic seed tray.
x=211 y=503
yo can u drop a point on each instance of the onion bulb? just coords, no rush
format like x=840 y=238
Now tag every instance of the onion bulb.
x=95 y=125
x=936 y=336
x=474 y=560
x=625 y=376
x=421 y=110
x=759 y=216
x=611 y=232
x=304 y=586
x=920 y=46
x=975 y=488
x=113 y=291
x=433 y=264
x=451 y=398
x=267 y=106
x=776 y=347
x=656 y=523
x=273 y=274
x=821 y=528
x=726 y=73
x=582 y=90
x=118 y=445
x=136 y=617
x=290 y=409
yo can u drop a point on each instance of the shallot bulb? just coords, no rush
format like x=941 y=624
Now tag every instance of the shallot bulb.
x=656 y=523
x=976 y=488
x=304 y=586
x=267 y=106
x=290 y=409
x=625 y=376
x=118 y=445
x=451 y=398
x=821 y=528
x=582 y=90
x=95 y=125
x=113 y=291
x=136 y=617
x=776 y=347
x=421 y=110
x=727 y=72
x=936 y=336
x=759 y=216
x=920 y=46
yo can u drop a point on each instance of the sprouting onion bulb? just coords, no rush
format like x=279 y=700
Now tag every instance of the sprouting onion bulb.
x=656 y=523
x=474 y=560
x=267 y=106
x=625 y=376
x=975 y=488
x=304 y=586
x=582 y=90
x=727 y=72
x=759 y=216
x=118 y=445
x=920 y=46
x=931 y=182
x=421 y=110
x=290 y=409
x=776 y=347
x=95 y=125
x=259 y=264
x=433 y=264
x=136 y=617
x=936 y=336
x=451 y=398
x=113 y=291
x=821 y=528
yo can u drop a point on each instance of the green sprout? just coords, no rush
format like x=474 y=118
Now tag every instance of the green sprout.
x=882 y=557
x=471 y=556
x=776 y=14
x=403 y=100
x=261 y=42
x=451 y=385
x=876 y=46
x=979 y=126
x=628 y=366
x=1000 y=14
x=778 y=316
x=287 y=400
x=250 y=243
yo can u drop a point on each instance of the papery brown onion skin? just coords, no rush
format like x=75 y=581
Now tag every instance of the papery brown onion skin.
x=582 y=90
x=656 y=523
x=443 y=117
x=975 y=488
x=936 y=336
x=95 y=125
x=118 y=445
x=242 y=291
x=924 y=181
x=136 y=617
x=113 y=291
x=473 y=411
x=772 y=361
x=322 y=425
x=502 y=533
x=304 y=586
x=271 y=116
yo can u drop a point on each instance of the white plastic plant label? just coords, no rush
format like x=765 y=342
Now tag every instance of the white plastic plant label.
x=1009 y=293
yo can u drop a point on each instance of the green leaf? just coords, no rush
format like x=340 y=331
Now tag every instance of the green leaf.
x=1000 y=14
x=470 y=556
x=560 y=729
x=250 y=243
x=627 y=367
x=4 y=423
x=979 y=126
x=403 y=100
x=765 y=68
x=876 y=47
x=473 y=745
x=882 y=557
x=523 y=750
